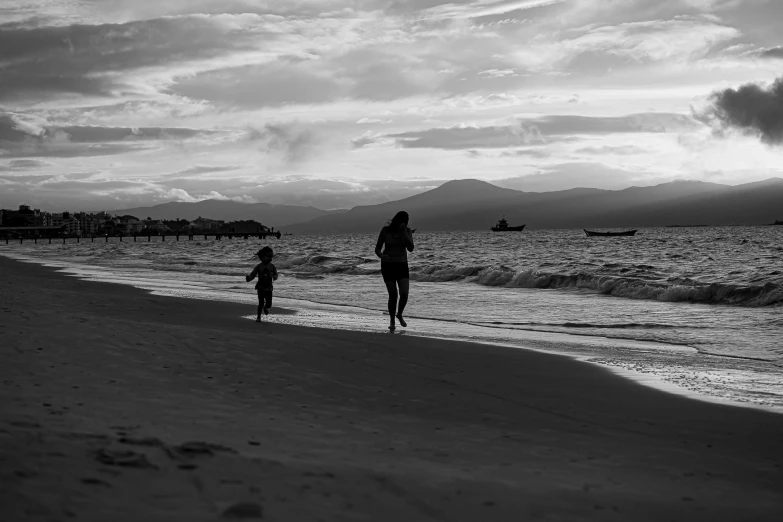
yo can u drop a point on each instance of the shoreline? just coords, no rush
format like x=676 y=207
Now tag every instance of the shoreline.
x=528 y=339
x=121 y=405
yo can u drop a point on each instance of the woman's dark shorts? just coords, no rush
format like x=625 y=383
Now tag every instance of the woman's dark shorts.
x=394 y=271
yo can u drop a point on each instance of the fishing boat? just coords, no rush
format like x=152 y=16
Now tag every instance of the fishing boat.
x=591 y=233
x=502 y=226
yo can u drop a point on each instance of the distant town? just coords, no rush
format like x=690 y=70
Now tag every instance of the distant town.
x=28 y=222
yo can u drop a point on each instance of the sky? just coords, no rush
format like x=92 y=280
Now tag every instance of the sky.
x=111 y=104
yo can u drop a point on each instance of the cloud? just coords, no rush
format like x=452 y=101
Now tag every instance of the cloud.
x=621 y=150
x=751 y=109
x=331 y=194
x=24 y=164
x=580 y=174
x=643 y=122
x=773 y=52
x=537 y=153
x=96 y=134
x=469 y=137
x=481 y=8
x=291 y=141
x=497 y=73
x=206 y=169
x=539 y=131
x=176 y=194
x=60 y=183
x=261 y=85
x=22 y=135
x=89 y=59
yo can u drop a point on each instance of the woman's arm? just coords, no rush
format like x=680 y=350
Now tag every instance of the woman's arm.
x=379 y=244
x=408 y=239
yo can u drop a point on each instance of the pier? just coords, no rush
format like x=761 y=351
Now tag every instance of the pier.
x=45 y=234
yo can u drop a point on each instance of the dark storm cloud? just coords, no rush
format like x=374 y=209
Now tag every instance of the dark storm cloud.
x=70 y=59
x=751 y=108
x=531 y=132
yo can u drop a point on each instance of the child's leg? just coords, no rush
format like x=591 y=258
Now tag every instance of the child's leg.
x=260 y=305
x=268 y=303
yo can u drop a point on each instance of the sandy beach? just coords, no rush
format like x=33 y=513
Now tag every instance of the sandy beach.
x=120 y=405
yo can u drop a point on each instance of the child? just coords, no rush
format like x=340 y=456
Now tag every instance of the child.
x=266 y=273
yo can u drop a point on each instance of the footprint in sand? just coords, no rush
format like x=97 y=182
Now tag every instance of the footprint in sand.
x=95 y=482
x=141 y=441
x=128 y=459
x=244 y=510
x=202 y=448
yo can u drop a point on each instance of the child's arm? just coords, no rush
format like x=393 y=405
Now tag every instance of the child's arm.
x=274 y=272
x=252 y=274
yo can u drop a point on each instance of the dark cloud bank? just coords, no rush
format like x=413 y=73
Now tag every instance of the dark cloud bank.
x=751 y=108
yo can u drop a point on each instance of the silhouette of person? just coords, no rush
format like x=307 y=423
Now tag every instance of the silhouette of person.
x=398 y=241
x=266 y=273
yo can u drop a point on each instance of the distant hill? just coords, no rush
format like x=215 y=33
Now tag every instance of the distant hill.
x=277 y=216
x=477 y=205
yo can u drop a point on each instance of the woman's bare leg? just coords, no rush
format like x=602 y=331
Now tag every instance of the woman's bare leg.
x=404 y=287
x=391 y=287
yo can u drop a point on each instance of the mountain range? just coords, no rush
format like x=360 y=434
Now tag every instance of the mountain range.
x=477 y=205
x=471 y=204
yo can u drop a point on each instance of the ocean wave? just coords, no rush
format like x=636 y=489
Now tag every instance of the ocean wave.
x=444 y=273
x=638 y=281
x=619 y=326
x=635 y=288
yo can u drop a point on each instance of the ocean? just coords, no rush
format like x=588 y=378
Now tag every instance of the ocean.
x=689 y=310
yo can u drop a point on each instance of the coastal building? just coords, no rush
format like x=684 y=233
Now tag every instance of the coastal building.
x=66 y=221
x=87 y=223
x=134 y=226
x=125 y=225
x=201 y=223
x=24 y=217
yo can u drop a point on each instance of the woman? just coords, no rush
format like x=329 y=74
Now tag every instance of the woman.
x=398 y=239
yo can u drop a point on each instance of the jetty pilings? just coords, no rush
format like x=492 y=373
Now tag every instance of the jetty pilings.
x=119 y=237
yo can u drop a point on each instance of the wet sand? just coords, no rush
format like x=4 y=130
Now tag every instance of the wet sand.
x=120 y=405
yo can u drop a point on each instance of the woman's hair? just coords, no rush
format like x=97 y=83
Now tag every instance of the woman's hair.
x=399 y=217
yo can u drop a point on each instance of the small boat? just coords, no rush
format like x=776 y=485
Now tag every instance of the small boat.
x=591 y=233
x=502 y=226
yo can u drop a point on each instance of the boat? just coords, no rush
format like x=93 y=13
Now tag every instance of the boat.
x=502 y=226
x=591 y=233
